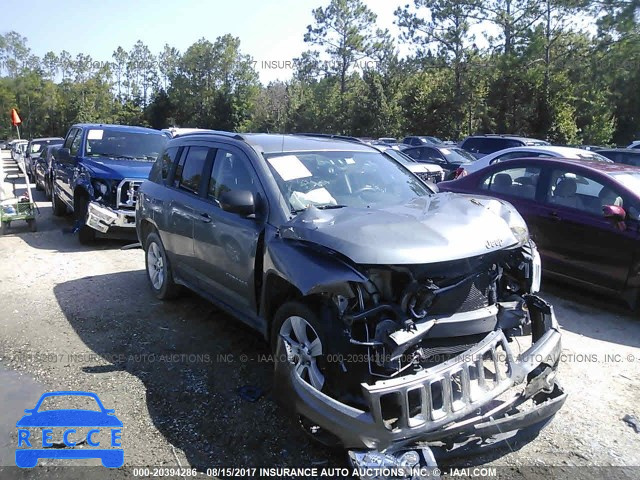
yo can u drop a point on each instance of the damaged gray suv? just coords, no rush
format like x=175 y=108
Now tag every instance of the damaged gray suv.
x=391 y=309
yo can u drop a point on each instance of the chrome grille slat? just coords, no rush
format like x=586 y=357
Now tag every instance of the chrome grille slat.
x=443 y=374
x=122 y=193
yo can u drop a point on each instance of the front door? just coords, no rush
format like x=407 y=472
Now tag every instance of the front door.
x=575 y=239
x=226 y=243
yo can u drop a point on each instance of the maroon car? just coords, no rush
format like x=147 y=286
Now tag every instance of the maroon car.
x=584 y=216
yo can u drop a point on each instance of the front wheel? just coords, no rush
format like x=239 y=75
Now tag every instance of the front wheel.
x=59 y=207
x=301 y=333
x=86 y=234
x=158 y=269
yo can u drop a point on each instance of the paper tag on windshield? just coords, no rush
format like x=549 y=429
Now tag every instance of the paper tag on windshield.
x=289 y=167
x=446 y=151
x=350 y=161
x=95 y=134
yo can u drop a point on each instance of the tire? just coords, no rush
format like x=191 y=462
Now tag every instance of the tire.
x=159 y=272
x=86 y=234
x=39 y=186
x=59 y=207
x=299 y=327
x=47 y=189
x=33 y=226
x=4 y=228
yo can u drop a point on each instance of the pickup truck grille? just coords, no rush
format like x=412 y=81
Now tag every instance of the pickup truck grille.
x=127 y=193
x=433 y=177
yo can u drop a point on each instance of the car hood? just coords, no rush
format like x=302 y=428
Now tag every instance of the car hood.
x=437 y=228
x=69 y=418
x=109 y=168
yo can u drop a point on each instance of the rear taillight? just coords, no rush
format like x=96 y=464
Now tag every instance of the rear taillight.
x=460 y=172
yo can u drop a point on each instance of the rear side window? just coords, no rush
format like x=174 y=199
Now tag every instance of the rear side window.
x=631 y=159
x=517 y=182
x=189 y=170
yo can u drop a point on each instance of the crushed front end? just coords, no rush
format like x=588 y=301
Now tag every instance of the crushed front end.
x=442 y=355
x=114 y=204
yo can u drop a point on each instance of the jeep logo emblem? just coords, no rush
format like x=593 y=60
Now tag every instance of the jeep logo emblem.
x=493 y=243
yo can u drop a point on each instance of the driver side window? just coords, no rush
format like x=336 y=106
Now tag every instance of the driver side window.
x=230 y=172
x=75 y=145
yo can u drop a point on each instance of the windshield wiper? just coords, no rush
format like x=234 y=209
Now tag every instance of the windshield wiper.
x=328 y=206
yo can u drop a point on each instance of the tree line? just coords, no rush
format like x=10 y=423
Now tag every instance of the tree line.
x=563 y=70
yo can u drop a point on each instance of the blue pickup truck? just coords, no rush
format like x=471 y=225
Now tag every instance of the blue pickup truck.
x=97 y=172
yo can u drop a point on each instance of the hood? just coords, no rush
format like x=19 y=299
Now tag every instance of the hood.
x=437 y=228
x=108 y=168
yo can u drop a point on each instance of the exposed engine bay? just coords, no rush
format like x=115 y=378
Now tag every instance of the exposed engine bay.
x=409 y=318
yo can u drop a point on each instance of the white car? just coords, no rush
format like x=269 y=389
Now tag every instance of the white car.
x=635 y=144
x=522 y=152
x=425 y=171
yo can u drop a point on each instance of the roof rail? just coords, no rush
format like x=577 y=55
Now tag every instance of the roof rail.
x=223 y=133
x=330 y=135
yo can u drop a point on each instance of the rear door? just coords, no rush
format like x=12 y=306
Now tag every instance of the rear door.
x=186 y=184
x=226 y=243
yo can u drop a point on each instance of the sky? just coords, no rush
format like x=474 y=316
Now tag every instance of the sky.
x=269 y=30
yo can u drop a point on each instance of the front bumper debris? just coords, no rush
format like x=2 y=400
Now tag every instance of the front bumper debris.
x=450 y=403
x=101 y=218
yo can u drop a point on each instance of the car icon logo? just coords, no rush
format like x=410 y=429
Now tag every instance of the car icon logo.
x=103 y=421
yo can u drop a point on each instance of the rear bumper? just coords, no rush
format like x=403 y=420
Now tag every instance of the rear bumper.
x=522 y=393
x=102 y=218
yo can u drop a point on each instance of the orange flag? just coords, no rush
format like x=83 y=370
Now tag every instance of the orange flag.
x=15 y=118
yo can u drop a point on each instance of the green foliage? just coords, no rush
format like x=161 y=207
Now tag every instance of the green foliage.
x=539 y=75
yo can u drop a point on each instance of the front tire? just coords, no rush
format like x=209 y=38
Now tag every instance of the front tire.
x=86 y=234
x=159 y=271
x=59 y=207
x=299 y=329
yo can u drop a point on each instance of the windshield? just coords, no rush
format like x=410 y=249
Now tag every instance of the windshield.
x=631 y=180
x=401 y=157
x=457 y=155
x=330 y=179
x=125 y=145
x=430 y=140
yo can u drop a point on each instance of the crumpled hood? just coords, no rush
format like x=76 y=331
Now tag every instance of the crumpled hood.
x=108 y=168
x=437 y=228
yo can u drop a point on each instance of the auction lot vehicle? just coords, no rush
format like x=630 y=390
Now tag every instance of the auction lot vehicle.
x=529 y=152
x=389 y=308
x=627 y=156
x=583 y=215
x=450 y=159
x=97 y=173
x=35 y=147
x=481 y=145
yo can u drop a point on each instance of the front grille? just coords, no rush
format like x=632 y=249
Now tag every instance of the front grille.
x=450 y=391
x=127 y=193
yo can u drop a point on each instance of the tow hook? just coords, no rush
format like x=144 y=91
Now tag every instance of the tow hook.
x=416 y=463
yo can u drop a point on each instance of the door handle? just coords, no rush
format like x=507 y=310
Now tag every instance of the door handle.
x=554 y=216
x=204 y=217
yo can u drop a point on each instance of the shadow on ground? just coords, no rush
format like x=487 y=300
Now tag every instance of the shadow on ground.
x=193 y=397
x=609 y=319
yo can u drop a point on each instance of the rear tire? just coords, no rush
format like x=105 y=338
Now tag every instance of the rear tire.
x=4 y=228
x=159 y=272
x=32 y=225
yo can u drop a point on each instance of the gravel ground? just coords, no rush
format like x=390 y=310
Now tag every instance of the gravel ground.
x=78 y=318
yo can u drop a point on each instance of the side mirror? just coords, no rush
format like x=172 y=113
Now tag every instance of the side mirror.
x=614 y=212
x=241 y=202
x=64 y=155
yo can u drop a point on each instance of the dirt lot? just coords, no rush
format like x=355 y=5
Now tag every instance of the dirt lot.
x=78 y=318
